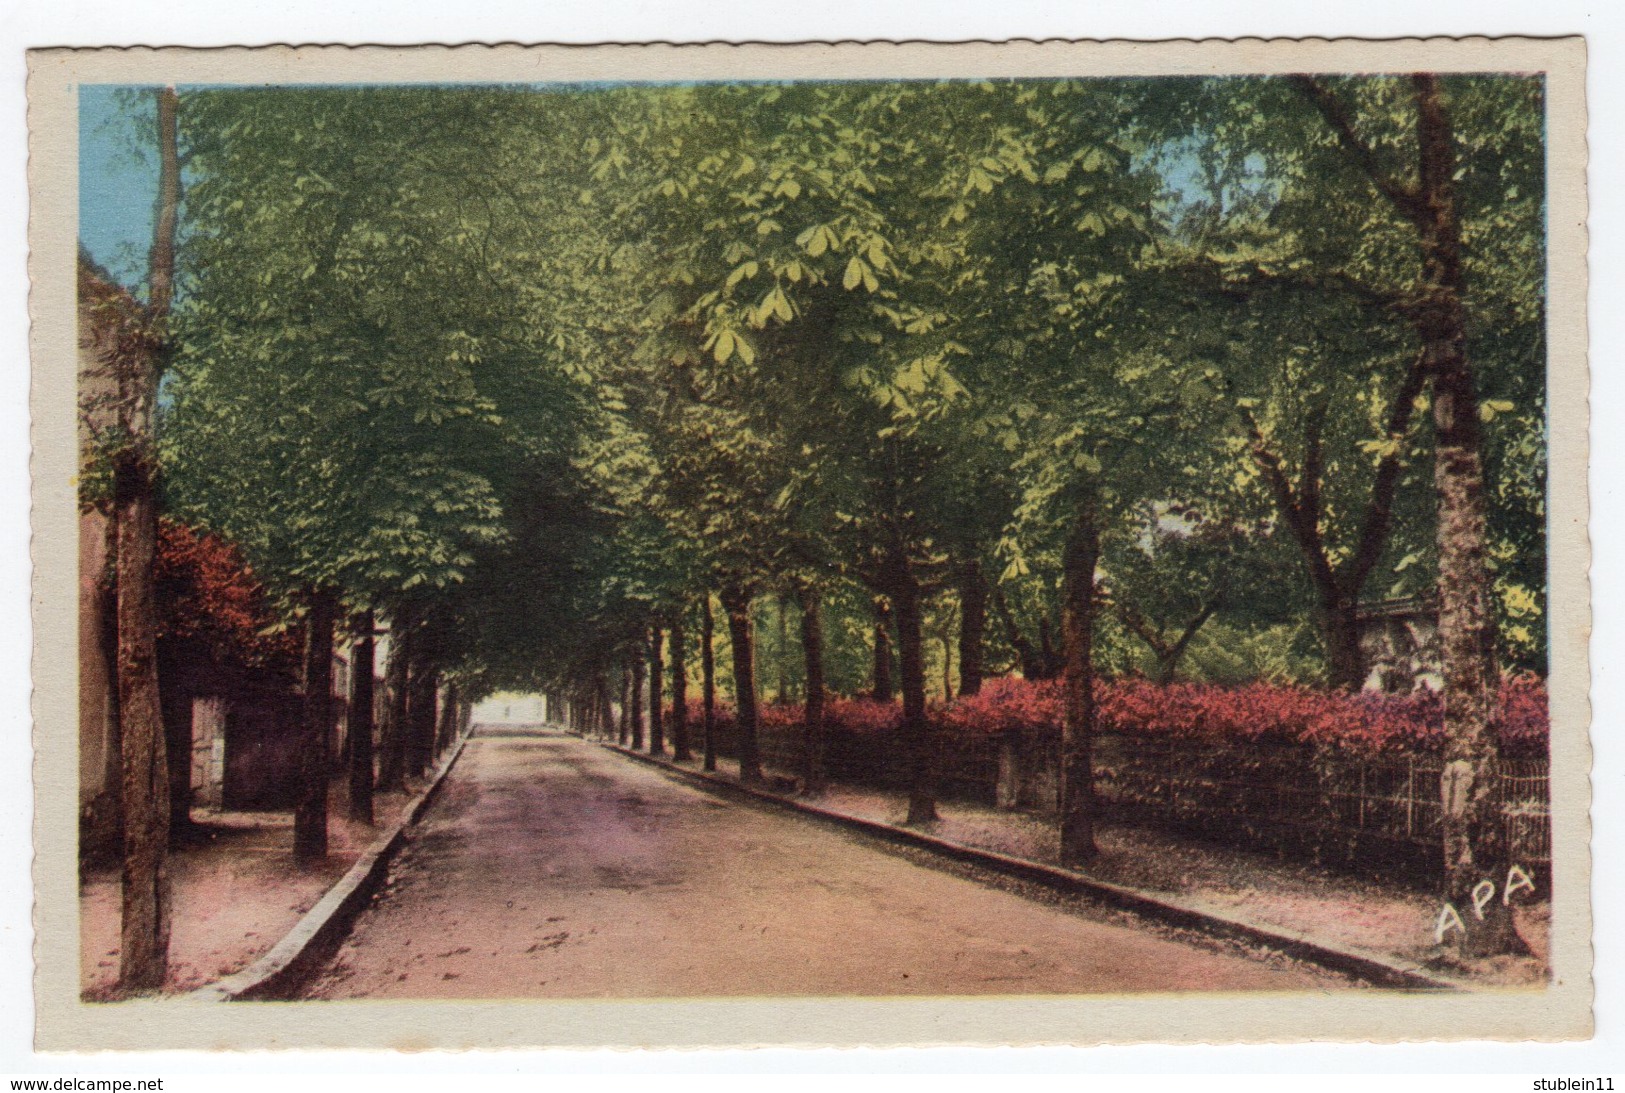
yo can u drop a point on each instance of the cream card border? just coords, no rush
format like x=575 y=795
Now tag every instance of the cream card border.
x=1561 y=1011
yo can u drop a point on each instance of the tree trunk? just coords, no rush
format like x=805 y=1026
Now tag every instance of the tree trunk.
x=361 y=726
x=606 y=709
x=315 y=762
x=145 y=900
x=1082 y=554
x=447 y=734
x=1345 y=660
x=679 y=690
x=1169 y=655
x=175 y=699
x=1473 y=849
x=657 y=678
x=1054 y=659
x=884 y=688
x=813 y=778
x=625 y=733
x=113 y=767
x=144 y=938
x=737 y=603
x=1334 y=605
x=783 y=609
x=904 y=590
x=708 y=686
x=1032 y=666
x=420 y=711
x=397 y=687
x=1301 y=507
x=972 y=626
x=637 y=700
x=1473 y=853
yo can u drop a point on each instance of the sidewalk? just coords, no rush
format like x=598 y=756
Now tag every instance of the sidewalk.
x=236 y=892
x=1395 y=920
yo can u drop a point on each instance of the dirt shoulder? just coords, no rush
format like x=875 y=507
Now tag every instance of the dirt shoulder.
x=237 y=892
x=1391 y=919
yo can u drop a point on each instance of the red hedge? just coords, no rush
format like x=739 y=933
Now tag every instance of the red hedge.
x=858 y=715
x=1262 y=713
x=1259 y=713
x=206 y=592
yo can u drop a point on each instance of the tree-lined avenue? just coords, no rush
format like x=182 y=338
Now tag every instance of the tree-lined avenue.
x=1077 y=379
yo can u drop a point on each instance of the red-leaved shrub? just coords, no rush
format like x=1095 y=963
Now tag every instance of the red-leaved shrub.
x=1261 y=713
x=209 y=597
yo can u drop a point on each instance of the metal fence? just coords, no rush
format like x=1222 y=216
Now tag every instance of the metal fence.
x=1382 y=814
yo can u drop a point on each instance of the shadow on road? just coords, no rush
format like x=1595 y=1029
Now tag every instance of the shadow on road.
x=500 y=731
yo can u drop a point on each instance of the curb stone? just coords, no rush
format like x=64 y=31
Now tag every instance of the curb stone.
x=279 y=972
x=1370 y=967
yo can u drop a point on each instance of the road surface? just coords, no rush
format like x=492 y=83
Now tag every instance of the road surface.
x=552 y=868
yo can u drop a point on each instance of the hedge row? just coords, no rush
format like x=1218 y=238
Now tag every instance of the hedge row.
x=1259 y=713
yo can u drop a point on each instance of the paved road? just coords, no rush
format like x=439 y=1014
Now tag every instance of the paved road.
x=550 y=867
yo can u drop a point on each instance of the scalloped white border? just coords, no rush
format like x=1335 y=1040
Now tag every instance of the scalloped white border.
x=63 y=1023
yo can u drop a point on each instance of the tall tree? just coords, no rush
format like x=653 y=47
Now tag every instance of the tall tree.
x=882 y=688
x=1426 y=198
x=708 y=685
x=315 y=760
x=139 y=367
x=736 y=601
x=679 y=690
x=624 y=730
x=814 y=776
x=397 y=681
x=638 y=663
x=361 y=726
x=973 y=598
x=657 y=679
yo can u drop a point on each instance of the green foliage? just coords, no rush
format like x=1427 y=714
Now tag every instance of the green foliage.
x=549 y=364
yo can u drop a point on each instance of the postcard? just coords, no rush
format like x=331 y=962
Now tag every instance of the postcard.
x=827 y=544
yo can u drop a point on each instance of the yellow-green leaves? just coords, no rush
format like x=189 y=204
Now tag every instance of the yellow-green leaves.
x=775 y=305
x=1382 y=449
x=818 y=239
x=858 y=272
x=978 y=181
x=729 y=342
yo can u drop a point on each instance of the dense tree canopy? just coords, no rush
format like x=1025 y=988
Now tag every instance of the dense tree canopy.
x=601 y=316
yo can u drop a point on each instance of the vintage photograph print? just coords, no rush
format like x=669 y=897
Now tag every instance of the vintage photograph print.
x=864 y=544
